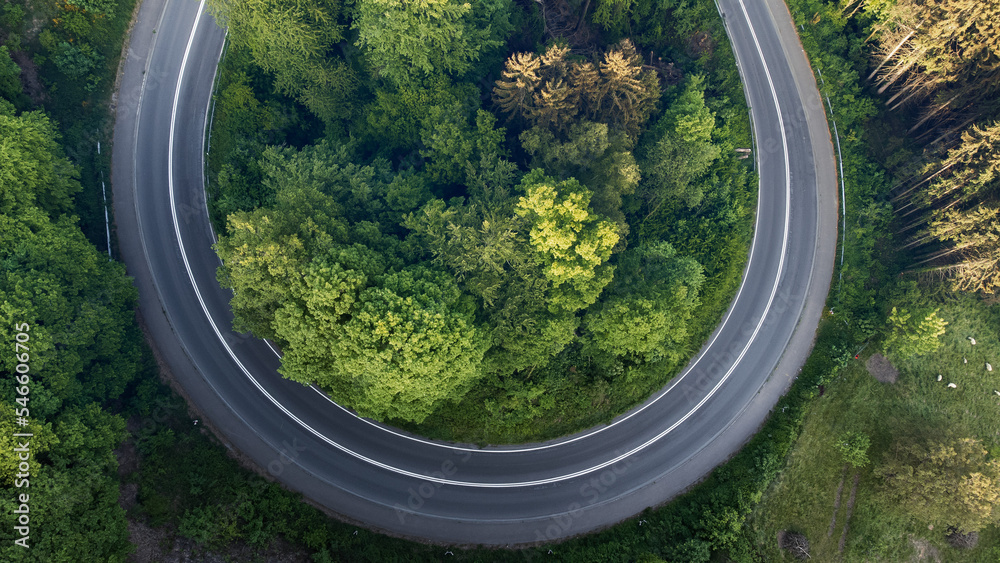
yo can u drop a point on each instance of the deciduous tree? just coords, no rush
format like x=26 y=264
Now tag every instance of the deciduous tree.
x=409 y=40
x=294 y=41
x=910 y=337
x=573 y=242
x=644 y=315
x=678 y=149
x=944 y=483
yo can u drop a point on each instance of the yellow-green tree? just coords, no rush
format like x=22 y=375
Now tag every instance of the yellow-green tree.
x=395 y=350
x=944 y=483
x=573 y=242
x=910 y=336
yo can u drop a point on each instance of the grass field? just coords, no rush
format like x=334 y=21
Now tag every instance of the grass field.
x=802 y=499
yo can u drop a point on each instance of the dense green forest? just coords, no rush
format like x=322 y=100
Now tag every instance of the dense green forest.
x=71 y=348
x=451 y=156
x=474 y=221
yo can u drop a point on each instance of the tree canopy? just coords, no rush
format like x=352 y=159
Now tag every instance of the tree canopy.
x=550 y=90
x=83 y=350
x=680 y=148
x=330 y=244
x=292 y=41
x=409 y=40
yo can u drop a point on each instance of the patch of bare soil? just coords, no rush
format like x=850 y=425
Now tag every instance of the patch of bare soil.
x=700 y=44
x=836 y=501
x=161 y=545
x=924 y=551
x=847 y=515
x=30 y=82
x=882 y=369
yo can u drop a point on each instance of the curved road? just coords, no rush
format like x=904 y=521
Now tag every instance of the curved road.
x=453 y=493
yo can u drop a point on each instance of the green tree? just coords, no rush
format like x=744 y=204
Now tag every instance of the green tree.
x=83 y=350
x=678 y=148
x=409 y=40
x=953 y=483
x=599 y=158
x=10 y=76
x=75 y=60
x=79 y=305
x=853 y=447
x=409 y=344
x=574 y=243
x=488 y=248
x=613 y=15
x=910 y=337
x=260 y=256
x=33 y=169
x=400 y=119
x=293 y=41
x=42 y=439
x=96 y=7
x=644 y=316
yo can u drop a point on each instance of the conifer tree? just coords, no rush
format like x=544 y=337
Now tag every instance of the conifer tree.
x=515 y=90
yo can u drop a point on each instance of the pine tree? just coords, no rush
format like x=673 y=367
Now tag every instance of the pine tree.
x=960 y=234
x=627 y=95
x=586 y=80
x=514 y=92
x=555 y=105
x=944 y=55
x=550 y=91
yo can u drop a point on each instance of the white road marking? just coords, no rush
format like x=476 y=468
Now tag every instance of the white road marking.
x=173 y=210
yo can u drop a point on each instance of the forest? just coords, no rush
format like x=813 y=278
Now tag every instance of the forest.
x=497 y=183
x=478 y=221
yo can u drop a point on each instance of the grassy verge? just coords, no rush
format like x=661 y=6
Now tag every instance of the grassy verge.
x=802 y=499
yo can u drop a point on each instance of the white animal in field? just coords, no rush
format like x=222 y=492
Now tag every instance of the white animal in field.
x=972 y=340
x=952 y=386
x=997 y=392
x=939 y=377
x=989 y=367
x=965 y=360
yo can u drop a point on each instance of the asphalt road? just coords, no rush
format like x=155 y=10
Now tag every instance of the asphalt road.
x=453 y=493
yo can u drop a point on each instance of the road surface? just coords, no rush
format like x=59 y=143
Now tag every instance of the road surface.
x=454 y=493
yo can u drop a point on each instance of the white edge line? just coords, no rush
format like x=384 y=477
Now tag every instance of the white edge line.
x=180 y=241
